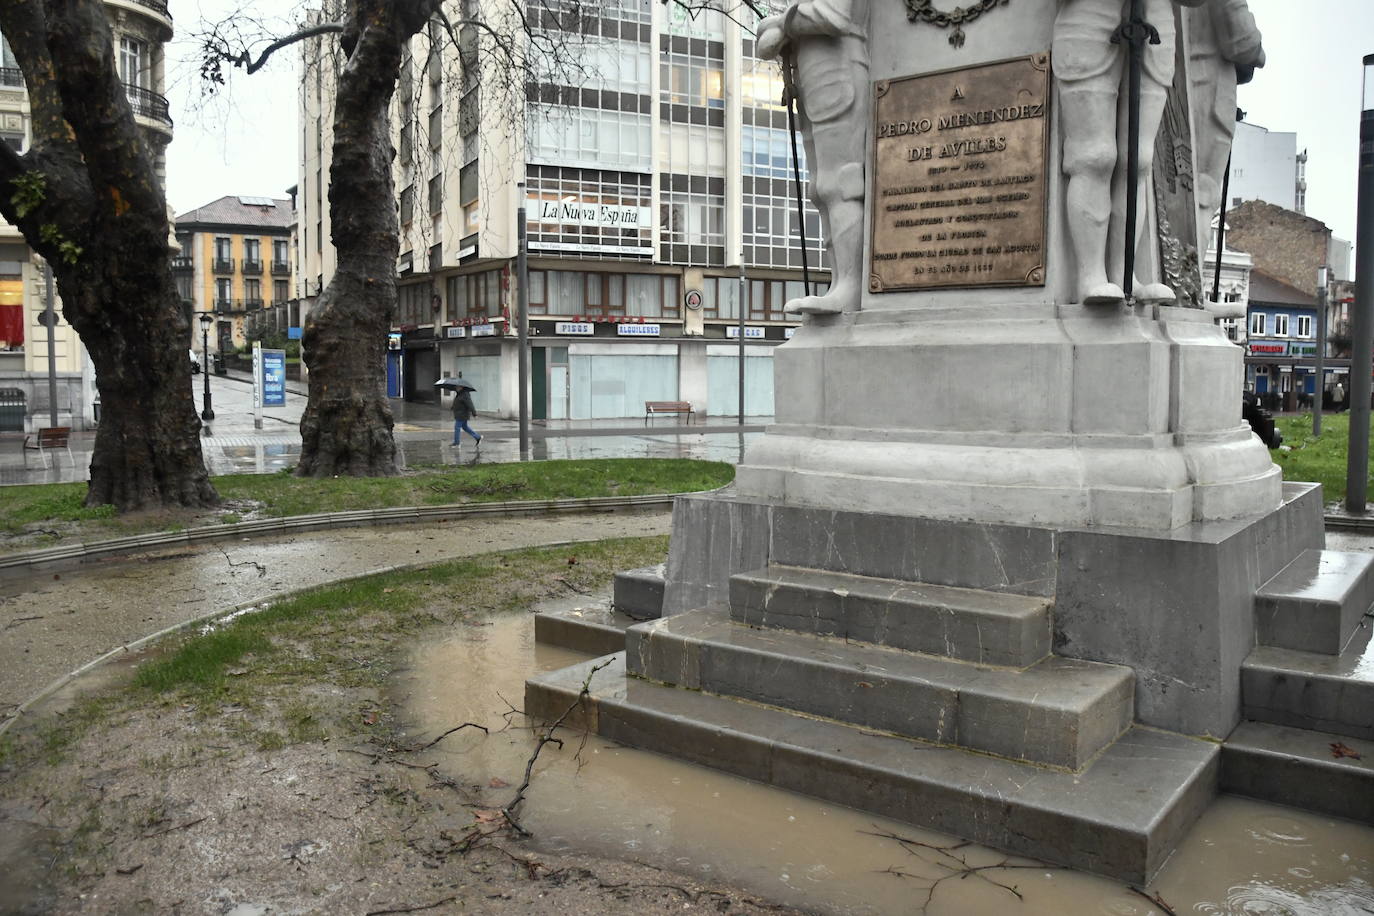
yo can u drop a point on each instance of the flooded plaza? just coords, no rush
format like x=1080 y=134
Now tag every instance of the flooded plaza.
x=1242 y=857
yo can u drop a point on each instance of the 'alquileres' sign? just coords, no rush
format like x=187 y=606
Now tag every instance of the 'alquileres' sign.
x=577 y=213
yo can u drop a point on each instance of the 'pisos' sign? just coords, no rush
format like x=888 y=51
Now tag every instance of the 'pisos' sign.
x=574 y=212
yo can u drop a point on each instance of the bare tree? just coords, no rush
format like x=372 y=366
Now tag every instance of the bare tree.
x=87 y=198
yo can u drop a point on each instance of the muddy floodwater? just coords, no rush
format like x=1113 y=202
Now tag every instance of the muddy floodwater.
x=1242 y=857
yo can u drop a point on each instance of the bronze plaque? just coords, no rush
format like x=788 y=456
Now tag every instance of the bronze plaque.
x=959 y=177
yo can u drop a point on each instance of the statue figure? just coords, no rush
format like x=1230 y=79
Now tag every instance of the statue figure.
x=1224 y=52
x=825 y=62
x=1090 y=72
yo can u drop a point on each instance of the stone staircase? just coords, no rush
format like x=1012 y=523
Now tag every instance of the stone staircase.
x=938 y=705
x=1307 y=690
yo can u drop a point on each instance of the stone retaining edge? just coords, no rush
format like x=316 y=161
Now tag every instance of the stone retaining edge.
x=48 y=558
x=261 y=603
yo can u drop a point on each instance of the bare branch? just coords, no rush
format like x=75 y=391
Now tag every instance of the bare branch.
x=324 y=28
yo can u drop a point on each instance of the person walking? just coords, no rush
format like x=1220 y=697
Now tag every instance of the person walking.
x=462 y=412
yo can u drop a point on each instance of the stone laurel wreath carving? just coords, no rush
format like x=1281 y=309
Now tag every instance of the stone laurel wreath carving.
x=925 y=11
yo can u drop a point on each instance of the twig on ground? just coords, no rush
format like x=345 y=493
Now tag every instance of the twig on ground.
x=412 y=909
x=18 y=620
x=425 y=747
x=149 y=836
x=1156 y=899
x=375 y=758
x=262 y=570
x=546 y=738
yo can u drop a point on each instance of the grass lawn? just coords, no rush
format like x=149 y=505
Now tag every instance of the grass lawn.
x=47 y=514
x=1318 y=460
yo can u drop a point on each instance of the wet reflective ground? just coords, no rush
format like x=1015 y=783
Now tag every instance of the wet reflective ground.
x=1242 y=857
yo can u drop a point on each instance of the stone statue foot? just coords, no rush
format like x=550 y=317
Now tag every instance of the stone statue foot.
x=814 y=305
x=1155 y=292
x=1104 y=294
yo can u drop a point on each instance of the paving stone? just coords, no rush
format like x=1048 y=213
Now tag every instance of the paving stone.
x=639 y=592
x=1059 y=711
x=596 y=631
x=1120 y=817
x=994 y=628
x=1316 y=602
x=1312 y=770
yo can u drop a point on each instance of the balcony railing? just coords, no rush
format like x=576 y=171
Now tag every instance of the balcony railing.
x=149 y=104
x=281 y=269
x=224 y=306
x=12 y=76
x=156 y=6
x=224 y=265
x=182 y=264
x=252 y=304
x=251 y=266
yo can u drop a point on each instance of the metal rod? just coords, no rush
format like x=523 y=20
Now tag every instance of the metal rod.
x=1134 y=35
x=742 y=290
x=206 y=413
x=1362 y=354
x=522 y=270
x=796 y=176
x=1221 y=231
x=50 y=319
x=1319 y=383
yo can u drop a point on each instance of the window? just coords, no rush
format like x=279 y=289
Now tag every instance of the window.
x=1257 y=324
x=1231 y=327
x=280 y=291
x=475 y=295
x=223 y=248
x=133 y=63
x=252 y=293
x=589 y=137
x=1304 y=326
x=407 y=205
x=767 y=153
x=1280 y=325
x=279 y=252
x=224 y=290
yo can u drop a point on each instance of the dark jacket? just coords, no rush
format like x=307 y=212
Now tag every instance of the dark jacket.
x=462 y=405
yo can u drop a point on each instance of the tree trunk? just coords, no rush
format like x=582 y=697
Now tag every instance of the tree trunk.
x=347 y=425
x=87 y=198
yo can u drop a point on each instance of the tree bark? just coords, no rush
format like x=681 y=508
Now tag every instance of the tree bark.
x=347 y=425
x=86 y=197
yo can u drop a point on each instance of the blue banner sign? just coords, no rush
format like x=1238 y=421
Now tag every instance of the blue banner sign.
x=273 y=378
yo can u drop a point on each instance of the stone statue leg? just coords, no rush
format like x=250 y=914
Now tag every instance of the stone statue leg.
x=1089 y=159
x=1146 y=282
x=835 y=109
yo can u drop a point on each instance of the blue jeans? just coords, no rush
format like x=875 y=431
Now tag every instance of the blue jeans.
x=459 y=426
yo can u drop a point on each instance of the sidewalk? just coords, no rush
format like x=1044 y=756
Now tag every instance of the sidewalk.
x=423 y=433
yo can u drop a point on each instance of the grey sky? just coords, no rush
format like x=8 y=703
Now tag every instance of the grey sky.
x=246 y=142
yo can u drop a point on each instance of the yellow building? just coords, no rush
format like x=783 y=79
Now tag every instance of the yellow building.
x=141 y=28
x=235 y=263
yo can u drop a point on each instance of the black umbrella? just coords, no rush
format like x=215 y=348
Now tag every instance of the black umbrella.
x=455 y=383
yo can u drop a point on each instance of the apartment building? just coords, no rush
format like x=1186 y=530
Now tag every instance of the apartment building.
x=654 y=167
x=236 y=263
x=141 y=29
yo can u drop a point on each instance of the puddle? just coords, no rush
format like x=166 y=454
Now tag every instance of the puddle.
x=1243 y=857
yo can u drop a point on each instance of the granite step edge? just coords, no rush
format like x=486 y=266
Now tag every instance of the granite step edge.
x=1120 y=818
x=1314 y=770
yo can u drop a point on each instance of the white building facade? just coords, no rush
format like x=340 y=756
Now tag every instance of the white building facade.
x=653 y=161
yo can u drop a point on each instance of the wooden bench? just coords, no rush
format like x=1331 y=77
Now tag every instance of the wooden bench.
x=678 y=407
x=47 y=439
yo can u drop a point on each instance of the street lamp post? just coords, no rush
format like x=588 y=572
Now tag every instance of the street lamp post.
x=1357 y=465
x=1319 y=386
x=206 y=319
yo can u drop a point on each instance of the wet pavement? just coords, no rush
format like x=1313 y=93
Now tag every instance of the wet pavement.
x=234 y=444
x=1243 y=857
x=53 y=623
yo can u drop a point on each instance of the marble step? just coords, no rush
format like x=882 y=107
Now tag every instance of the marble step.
x=1329 y=693
x=595 y=631
x=1316 y=602
x=1058 y=712
x=638 y=593
x=1312 y=770
x=1121 y=817
x=994 y=628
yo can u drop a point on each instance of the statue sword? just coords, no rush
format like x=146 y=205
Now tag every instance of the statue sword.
x=1135 y=32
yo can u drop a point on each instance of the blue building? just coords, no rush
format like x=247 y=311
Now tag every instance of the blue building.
x=1281 y=345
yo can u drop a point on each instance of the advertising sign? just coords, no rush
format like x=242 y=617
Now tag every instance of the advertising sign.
x=637 y=330
x=271 y=370
x=452 y=333
x=484 y=330
x=574 y=328
x=732 y=330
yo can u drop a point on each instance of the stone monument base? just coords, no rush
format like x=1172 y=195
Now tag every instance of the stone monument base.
x=1053 y=691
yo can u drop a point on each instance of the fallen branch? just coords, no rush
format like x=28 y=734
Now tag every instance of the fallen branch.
x=416 y=750
x=18 y=620
x=149 y=836
x=412 y=909
x=1156 y=899
x=262 y=570
x=546 y=738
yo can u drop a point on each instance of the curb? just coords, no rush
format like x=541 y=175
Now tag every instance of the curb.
x=260 y=604
x=75 y=554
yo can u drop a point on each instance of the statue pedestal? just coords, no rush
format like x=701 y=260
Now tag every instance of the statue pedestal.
x=1038 y=415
